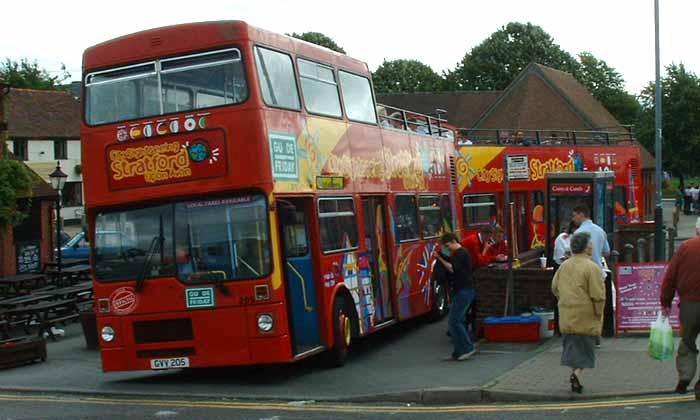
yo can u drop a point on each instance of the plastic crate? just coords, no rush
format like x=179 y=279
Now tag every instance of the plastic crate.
x=512 y=329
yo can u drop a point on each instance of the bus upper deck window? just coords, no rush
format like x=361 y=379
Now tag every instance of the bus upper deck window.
x=357 y=97
x=277 y=80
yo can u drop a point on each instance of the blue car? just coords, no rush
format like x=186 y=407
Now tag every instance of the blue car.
x=79 y=247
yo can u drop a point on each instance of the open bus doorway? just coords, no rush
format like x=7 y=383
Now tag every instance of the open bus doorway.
x=375 y=241
x=299 y=273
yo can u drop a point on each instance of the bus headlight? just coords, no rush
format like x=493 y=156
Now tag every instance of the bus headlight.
x=107 y=334
x=265 y=322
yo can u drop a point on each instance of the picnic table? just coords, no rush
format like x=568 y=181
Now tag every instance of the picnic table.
x=81 y=292
x=14 y=285
x=72 y=275
x=65 y=263
x=45 y=314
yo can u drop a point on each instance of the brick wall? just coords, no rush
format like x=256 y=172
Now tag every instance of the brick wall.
x=8 y=257
x=532 y=288
x=7 y=252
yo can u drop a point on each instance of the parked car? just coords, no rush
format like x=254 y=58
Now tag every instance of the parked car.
x=76 y=247
x=64 y=237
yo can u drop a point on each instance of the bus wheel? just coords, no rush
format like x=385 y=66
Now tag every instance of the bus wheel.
x=342 y=332
x=439 y=308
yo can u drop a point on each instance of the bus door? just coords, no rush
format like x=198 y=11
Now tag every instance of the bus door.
x=299 y=273
x=376 y=244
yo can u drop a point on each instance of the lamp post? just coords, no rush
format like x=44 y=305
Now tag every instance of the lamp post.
x=658 y=210
x=58 y=180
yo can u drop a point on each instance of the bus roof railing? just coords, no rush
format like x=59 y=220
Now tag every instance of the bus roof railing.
x=402 y=119
x=546 y=137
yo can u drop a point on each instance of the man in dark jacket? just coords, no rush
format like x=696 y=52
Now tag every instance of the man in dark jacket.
x=683 y=277
x=460 y=268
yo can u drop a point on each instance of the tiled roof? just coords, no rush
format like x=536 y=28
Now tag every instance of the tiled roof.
x=541 y=97
x=42 y=114
x=463 y=108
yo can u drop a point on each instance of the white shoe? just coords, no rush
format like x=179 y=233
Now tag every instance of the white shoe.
x=466 y=356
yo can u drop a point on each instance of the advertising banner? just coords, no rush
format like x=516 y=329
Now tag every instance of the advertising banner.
x=638 y=292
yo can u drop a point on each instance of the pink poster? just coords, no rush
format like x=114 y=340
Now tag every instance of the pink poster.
x=638 y=292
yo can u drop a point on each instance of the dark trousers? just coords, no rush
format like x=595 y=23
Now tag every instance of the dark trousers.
x=686 y=204
x=461 y=301
x=687 y=358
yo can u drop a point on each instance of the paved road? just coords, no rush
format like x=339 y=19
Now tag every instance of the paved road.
x=48 y=407
x=405 y=357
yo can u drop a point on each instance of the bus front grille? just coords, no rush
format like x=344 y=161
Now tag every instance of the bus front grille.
x=146 y=332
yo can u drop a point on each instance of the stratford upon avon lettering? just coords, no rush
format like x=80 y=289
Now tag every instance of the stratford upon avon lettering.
x=539 y=169
x=155 y=163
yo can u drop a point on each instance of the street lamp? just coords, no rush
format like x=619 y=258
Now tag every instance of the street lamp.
x=58 y=180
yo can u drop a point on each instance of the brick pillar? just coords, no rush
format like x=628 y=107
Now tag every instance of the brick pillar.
x=8 y=261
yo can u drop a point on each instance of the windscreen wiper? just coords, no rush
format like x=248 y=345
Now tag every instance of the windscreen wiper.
x=158 y=239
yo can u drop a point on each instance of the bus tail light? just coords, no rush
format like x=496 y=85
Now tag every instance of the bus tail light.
x=265 y=323
x=103 y=306
x=262 y=292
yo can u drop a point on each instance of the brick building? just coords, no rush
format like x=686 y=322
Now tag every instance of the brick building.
x=27 y=246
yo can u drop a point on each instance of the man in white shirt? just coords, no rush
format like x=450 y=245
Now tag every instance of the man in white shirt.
x=562 y=245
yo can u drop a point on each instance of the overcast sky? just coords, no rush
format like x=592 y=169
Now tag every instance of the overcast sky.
x=437 y=33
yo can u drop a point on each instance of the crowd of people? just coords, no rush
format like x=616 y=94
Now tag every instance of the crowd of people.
x=579 y=286
x=691 y=199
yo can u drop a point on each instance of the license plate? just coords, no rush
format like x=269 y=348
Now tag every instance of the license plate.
x=172 y=363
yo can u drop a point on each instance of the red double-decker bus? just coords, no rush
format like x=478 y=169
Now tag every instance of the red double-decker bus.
x=481 y=176
x=245 y=203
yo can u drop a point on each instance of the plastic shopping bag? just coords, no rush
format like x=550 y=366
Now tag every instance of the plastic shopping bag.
x=661 y=339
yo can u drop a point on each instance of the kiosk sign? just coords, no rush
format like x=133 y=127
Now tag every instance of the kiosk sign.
x=638 y=291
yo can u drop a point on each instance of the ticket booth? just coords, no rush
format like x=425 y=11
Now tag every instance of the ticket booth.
x=566 y=190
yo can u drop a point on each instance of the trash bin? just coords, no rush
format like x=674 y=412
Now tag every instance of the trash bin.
x=547 y=323
x=88 y=320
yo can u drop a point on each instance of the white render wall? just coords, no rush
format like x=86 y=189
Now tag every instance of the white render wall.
x=40 y=157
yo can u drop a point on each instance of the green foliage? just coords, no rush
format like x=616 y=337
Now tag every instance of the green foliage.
x=318 y=39
x=406 y=76
x=14 y=179
x=494 y=63
x=27 y=74
x=680 y=120
x=608 y=86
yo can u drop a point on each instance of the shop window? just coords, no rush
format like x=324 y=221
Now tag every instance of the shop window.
x=73 y=194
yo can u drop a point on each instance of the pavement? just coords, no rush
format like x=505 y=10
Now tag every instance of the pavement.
x=403 y=364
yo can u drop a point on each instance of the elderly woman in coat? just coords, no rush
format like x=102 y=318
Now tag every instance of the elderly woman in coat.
x=579 y=287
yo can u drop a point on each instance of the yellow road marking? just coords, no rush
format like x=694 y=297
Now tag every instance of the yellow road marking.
x=339 y=408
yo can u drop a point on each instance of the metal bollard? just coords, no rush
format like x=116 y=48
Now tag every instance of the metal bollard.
x=641 y=250
x=628 y=253
x=671 y=240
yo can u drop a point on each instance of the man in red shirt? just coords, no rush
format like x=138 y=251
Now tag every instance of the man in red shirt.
x=478 y=245
x=683 y=277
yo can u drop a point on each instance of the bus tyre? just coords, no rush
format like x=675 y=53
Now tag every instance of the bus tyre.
x=439 y=308
x=342 y=332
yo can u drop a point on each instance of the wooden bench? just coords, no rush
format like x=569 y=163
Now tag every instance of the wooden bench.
x=21 y=350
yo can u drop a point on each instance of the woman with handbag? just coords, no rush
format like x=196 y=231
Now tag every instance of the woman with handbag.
x=581 y=297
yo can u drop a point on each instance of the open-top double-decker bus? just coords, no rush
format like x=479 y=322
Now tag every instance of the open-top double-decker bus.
x=533 y=154
x=245 y=204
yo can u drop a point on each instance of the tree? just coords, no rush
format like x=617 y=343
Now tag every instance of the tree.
x=406 y=76
x=28 y=74
x=14 y=179
x=494 y=63
x=680 y=120
x=318 y=39
x=608 y=86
